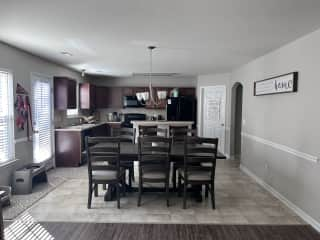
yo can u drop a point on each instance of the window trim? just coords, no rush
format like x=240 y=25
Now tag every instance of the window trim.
x=12 y=116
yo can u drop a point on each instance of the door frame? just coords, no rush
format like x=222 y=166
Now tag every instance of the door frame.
x=32 y=80
x=200 y=118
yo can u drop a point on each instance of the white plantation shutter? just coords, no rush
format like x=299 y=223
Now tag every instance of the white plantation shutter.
x=6 y=117
x=42 y=117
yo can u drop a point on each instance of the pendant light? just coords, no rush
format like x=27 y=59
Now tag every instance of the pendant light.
x=143 y=97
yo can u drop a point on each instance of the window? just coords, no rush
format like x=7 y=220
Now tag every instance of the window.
x=42 y=117
x=6 y=117
x=72 y=112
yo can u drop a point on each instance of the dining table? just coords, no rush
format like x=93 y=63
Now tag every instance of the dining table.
x=129 y=153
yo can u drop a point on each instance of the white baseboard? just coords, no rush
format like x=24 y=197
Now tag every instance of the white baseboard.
x=307 y=218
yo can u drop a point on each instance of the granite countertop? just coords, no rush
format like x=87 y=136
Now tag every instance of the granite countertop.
x=83 y=127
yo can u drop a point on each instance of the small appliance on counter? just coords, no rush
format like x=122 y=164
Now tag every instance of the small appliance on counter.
x=113 y=117
x=128 y=117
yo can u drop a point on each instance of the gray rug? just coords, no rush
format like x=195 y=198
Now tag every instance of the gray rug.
x=20 y=203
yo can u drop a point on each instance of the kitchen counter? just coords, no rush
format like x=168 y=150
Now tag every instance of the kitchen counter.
x=86 y=126
x=162 y=123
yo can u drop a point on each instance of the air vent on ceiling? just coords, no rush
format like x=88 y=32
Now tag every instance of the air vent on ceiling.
x=155 y=74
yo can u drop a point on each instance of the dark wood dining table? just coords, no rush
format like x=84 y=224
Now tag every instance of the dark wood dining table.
x=129 y=153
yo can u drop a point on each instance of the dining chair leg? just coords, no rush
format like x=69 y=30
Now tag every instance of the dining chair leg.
x=96 y=190
x=118 y=194
x=179 y=185
x=167 y=191
x=123 y=185
x=130 y=177
x=206 y=191
x=213 y=201
x=132 y=173
x=140 y=192
x=89 y=195
x=174 y=177
x=185 y=185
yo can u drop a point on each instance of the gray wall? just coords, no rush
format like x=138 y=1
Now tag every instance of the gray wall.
x=22 y=64
x=290 y=120
x=283 y=120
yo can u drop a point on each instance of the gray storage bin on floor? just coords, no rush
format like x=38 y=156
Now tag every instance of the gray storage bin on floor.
x=24 y=178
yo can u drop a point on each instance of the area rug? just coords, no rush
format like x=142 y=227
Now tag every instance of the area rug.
x=20 y=203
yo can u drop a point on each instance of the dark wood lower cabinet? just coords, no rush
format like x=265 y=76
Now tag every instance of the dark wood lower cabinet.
x=70 y=144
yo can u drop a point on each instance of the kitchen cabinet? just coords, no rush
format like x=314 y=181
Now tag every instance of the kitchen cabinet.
x=102 y=97
x=115 y=97
x=70 y=144
x=187 y=92
x=87 y=96
x=65 y=93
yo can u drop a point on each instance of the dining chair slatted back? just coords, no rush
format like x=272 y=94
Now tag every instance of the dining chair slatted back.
x=198 y=151
x=153 y=130
x=126 y=135
x=1 y=223
x=154 y=162
x=103 y=154
x=178 y=134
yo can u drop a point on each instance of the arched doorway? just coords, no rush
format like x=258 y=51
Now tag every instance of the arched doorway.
x=236 y=120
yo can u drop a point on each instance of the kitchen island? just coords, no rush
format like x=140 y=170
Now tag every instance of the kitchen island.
x=70 y=141
x=161 y=124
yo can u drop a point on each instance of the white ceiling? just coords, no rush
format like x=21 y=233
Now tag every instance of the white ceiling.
x=194 y=36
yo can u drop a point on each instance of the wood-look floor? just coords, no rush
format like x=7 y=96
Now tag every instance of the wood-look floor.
x=102 y=231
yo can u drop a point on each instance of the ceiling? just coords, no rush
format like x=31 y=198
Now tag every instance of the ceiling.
x=194 y=37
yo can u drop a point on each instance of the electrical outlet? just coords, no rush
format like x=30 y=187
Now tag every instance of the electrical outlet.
x=243 y=122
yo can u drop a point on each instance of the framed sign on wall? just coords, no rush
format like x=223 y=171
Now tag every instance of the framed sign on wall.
x=285 y=83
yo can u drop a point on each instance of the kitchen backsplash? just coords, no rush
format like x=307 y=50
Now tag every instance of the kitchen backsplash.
x=61 y=119
x=103 y=113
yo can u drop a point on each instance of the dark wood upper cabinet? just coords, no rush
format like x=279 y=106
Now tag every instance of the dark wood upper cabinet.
x=187 y=92
x=65 y=93
x=87 y=96
x=102 y=95
x=115 y=97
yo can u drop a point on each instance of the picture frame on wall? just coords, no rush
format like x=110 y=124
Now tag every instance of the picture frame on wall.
x=286 y=83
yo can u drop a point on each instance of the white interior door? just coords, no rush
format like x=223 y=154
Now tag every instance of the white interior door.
x=42 y=118
x=213 y=99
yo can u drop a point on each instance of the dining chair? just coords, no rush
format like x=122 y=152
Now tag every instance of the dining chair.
x=153 y=130
x=126 y=135
x=154 y=162
x=104 y=165
x=178 y=134
x=1 y=223
x=197 y=151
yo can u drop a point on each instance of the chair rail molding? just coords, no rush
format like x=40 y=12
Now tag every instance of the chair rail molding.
x=281 y=147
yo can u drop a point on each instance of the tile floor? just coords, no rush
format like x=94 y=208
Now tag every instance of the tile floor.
x=239 y=200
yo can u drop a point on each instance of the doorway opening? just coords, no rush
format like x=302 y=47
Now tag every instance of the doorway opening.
x=236 y=120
